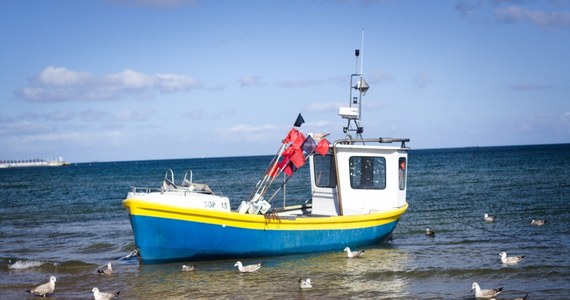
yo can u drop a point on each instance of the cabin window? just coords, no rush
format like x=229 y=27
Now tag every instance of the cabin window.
x=402 y=172
x=325 y=172
x=367 y=172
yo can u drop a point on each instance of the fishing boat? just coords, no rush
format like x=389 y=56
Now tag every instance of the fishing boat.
x=358 y=195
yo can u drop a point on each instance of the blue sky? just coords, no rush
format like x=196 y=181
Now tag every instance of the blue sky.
x=157 y=79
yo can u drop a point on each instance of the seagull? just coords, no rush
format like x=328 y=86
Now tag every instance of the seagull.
x=305 y=283
x=489 y=218
x=510 y=260
x=351 y=254
x=248 y=268
x=103 y=296
x=186 y=268
x=43 y=289
x=108 y=271
x=537 y=222
x=479 y=293
x=430 y=232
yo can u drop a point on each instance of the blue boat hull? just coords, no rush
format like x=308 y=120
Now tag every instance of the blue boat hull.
x=162 y=240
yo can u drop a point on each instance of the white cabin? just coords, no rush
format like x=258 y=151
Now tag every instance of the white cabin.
x=371 y=177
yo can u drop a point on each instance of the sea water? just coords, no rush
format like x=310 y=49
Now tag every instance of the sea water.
x=68 y=221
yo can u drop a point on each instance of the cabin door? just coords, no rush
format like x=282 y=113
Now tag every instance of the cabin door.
x=323 y=186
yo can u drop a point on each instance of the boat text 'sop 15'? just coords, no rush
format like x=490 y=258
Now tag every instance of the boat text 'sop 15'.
x=358 y=194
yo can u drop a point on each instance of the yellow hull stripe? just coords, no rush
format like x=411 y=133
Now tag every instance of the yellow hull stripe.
x=139 y=207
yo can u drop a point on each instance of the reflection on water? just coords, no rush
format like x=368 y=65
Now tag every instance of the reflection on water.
x=331 y=274
x=376 y=273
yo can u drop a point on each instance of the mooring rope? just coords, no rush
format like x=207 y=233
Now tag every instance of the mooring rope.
x=134 y=252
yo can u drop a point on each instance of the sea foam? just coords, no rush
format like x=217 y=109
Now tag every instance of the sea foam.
x=21 y=264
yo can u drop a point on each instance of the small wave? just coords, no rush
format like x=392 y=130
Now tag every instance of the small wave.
x=97 y=248
x=72 y=264
x=128 y=247
x=27 y=264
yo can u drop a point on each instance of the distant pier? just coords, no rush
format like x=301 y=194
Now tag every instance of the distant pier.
x=36 y=162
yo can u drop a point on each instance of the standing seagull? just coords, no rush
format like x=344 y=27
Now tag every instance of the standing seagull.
x=479 y=293
x=103 y=296
x=537 y=222
x=489 y=218
x=430 y=232
x=510 y=260
x=305 y=283
x=43 y=289
x=352 y=254
x=248 y=268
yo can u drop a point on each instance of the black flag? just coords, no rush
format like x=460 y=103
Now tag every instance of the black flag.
x=299 y=121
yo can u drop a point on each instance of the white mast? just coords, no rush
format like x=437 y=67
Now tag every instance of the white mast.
x=353 y=111
x=362 y=49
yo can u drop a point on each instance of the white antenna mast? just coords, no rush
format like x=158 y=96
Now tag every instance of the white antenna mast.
x=362 y=49
x=359 y=86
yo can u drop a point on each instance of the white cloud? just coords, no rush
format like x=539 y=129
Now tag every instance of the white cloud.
x=172 y=83
x=132 y=116
x=248 y=80
x=38 y=121
x=62 y=77
x=319 y=125
x=546 y=125
x=32 y=93
x=71 y=138
x=248 y=133
x=298 y=83
x=541 y=18
x=513 y=11
x=129 y=79
x=58 y=84
x=242 y=128
x=322 y=107
x=22 y=127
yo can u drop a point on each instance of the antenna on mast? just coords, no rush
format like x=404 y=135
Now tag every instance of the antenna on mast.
x=357 y=83
x=356 y=55
x=362 y=47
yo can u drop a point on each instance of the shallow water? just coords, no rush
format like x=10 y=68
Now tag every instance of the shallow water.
x=68 y=221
